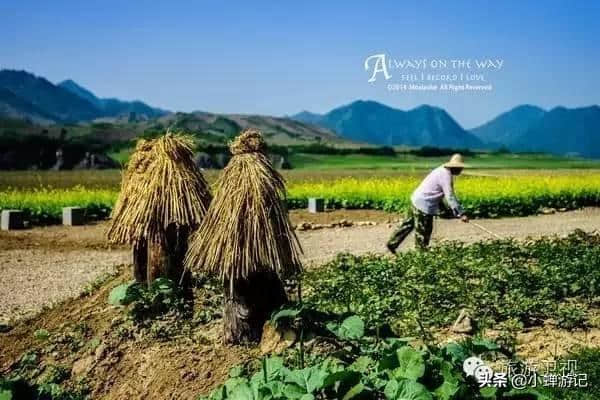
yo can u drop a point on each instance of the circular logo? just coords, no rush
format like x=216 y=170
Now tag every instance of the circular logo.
x=471 y=364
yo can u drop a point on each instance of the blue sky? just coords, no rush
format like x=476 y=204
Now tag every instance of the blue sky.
x=283 y=57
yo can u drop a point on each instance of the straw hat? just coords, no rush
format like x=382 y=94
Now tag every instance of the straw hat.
x=456 y=161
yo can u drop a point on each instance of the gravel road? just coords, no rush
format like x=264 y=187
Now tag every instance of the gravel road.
x=323 y=245
x=42 y=266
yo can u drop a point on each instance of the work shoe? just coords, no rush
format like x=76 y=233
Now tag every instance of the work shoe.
x=391 y=248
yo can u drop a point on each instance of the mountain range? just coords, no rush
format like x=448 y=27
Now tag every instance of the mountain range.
x=24 y=95
x=561 y=130
x=572 y=131
x=30 y=105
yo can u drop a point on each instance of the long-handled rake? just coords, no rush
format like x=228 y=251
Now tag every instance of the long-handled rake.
x=485 y=230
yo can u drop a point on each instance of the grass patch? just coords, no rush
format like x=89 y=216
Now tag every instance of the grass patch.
x=411 y=162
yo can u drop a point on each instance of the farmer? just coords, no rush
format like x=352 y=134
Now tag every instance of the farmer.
x=426 y=202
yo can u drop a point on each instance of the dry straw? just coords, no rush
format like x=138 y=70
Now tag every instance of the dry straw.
x=161 y=186
x=246 y=228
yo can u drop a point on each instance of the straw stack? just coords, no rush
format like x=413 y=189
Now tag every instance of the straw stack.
x=161 y=186
x=246 y=229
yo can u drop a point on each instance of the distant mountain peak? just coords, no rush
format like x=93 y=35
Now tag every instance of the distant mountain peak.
x=31 y=97
x=54 y=101
x=80 y=91
x=69 y=82
x=426 y=107
x=530 y=107
x=373 y=122
x=509 y=126
x=366 y=103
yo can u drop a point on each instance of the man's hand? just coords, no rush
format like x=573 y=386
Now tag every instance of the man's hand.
x=464 y=218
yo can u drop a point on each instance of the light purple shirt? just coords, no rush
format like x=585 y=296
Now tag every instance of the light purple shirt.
x=436 y=186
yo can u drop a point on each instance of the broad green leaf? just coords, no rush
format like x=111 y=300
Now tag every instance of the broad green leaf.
x=123 y=294
x=379 y=383
x=274 y=388
x=241 y=392
x=483 y=345
x=309 y=379
x=446 y=390
x=274 y=367
x=118 y=295
x=236 y=371
x=6 y=395
x=333 y=326
x=332 y=365
x=410 y=390
x=448 y=372
x=232 y=383
x=391 y=389
x=352 y=328
x=362 y=363
x=162 y=285
x=286 y=313
x=293 y=391
x=389 y=362
x=450 y=385
x=219 y=394
x=488 y=392
x=457 y=352
x=410 y=363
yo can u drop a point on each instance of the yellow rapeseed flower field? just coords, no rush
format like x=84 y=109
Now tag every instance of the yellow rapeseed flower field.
x=481 y=195
x=489 y=196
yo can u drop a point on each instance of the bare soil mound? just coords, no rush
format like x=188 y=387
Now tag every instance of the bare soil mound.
x=95 y=342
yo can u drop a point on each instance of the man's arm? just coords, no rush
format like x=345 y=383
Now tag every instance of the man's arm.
x=449 y=195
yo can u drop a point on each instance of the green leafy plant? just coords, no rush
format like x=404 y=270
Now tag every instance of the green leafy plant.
x=588 y=363
x=571 y=315
x=376 y=369
x=162 y=297
x=41 y=334
x=22 y=384
x=498 y=280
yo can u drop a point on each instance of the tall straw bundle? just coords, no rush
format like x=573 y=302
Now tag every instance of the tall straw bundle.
x=247 y=240
x=161 y=186
x=163 y=198
x=246 y=228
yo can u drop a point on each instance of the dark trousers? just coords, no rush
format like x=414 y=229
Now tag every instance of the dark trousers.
x=419 y=221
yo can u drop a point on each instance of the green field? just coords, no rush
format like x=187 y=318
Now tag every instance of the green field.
x=410 y=162
x=325 y=167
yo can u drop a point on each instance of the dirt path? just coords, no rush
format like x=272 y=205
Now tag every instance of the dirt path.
x=323 y=245
x=41 y=266
x=44 y=265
